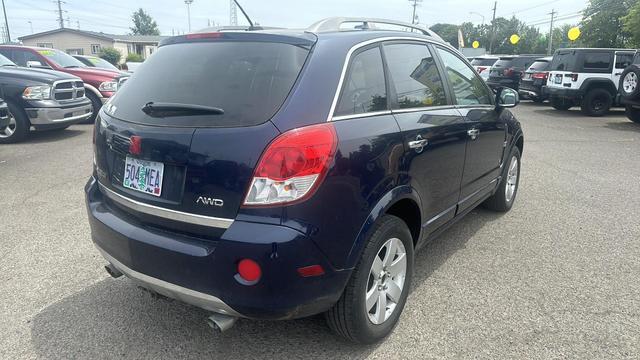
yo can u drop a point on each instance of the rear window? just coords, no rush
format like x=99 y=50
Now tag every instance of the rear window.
x=522 y=62
x=564 y=61
x=483 y=62
x=540 y=65
x=504 y=62
x=248 y=80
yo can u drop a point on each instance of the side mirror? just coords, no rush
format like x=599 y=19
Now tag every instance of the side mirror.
x=36 y=64
x=507 y=98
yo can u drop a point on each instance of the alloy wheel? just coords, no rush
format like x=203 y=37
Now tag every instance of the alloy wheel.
x=630 y=82
x=386 y=281
x=8 y=130
x=512 y=179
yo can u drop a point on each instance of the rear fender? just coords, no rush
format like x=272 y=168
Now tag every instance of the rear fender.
x=387 y=201
x=606 y=84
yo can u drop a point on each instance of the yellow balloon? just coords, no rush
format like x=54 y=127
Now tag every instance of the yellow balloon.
x=475 y=44
x=514 y=39
x=574 y=33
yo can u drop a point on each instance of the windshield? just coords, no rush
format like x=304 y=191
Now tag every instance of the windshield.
x=60 y=58
x=247 y=80
x=564 y=61
x=483 y=62
x=540 y=65
x=101 y=63
x=6 y=62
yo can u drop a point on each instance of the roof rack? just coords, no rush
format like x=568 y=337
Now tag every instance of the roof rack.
x=334 y=23
x=236 y=28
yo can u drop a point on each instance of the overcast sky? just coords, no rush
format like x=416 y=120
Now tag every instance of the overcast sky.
x=114 y=16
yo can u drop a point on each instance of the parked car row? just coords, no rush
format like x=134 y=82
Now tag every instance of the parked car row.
x=594 y=79
x=47 y=89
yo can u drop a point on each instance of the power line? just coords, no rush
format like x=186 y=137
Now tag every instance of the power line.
x=531 y=8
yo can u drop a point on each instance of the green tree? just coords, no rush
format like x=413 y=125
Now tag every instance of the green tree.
x=143 y=24
x=602 y=24
x=448 y=33
x=111 y=55
x=631 y=24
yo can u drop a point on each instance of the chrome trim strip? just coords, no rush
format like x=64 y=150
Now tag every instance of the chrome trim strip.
x=367 y=114
x=423 y=108
x=365 y=43
x=477 y=191
x=166 y=213
x=333 y=24
x=430 y=221
x=196 y=298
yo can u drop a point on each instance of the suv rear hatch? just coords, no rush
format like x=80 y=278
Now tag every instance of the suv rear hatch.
x=186 y=131
x=536 y=75
x=563 y=72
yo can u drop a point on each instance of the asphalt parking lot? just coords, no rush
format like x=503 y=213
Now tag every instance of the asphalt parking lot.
x=557 y=277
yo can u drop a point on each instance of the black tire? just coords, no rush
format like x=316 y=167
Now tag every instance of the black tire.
x=349 y=317
x=632 y=113
x=633 y=91
x=21 y=127
x=96 y=104
x=596 y=103
x=499 y=201
x=561 y=104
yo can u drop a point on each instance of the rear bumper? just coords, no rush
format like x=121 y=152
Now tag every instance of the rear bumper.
x=528 y=89
x=202 y=271
x=62 y=115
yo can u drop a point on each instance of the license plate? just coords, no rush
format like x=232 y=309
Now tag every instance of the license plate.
x=144 y=176
x=558 y=79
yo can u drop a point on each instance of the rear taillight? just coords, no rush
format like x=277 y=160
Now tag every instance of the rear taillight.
x=508 y=72
x=481 y=69
x=540 y=75
x=292 y=166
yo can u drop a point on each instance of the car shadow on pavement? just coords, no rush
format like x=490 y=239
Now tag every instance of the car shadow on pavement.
x=113 y=318
x=572 y=113
x=624 y=126
x=37 y=137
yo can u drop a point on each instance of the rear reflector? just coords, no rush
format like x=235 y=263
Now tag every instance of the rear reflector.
x=292 y=166
x=249 y=271
x=135 y=145
x=540 y=75
x=312 y=270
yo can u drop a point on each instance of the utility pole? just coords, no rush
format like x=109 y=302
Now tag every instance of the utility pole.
x=553 y=13
x=188 y=2
x=233 y=13
x=30 y=25
x=60 y=18
x=414 y=5
x=493 y=28
x=6 y=23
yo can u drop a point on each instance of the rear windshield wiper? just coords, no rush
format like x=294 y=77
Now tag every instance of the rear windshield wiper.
x=161 y=109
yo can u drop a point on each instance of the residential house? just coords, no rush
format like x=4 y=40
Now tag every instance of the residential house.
x=82 y=42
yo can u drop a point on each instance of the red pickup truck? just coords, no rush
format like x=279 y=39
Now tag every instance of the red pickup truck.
x=100 y=84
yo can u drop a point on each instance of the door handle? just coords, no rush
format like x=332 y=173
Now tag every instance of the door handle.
x=418 y=144
x=473 y=133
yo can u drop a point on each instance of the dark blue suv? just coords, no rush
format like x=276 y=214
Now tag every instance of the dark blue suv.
x=278 y=174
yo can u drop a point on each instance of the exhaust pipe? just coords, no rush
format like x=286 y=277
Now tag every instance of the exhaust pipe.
x=115 y=273
x=221 y=323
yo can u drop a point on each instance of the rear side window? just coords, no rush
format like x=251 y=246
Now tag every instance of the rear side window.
x=623 y=60
x=483 y=62
x=468 y=88
x=541 y=65
x=248 y=80
x=364 y=88
x=597 y=61
x=415 y=75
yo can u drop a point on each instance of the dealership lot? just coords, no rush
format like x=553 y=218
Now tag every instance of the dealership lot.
x=555 y=277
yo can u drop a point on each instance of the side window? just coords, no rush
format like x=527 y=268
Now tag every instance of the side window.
x=415 y=75
x=20 y=57
x=623 y=60
x=364 y=87
x=597 y=61
x=468 y=88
